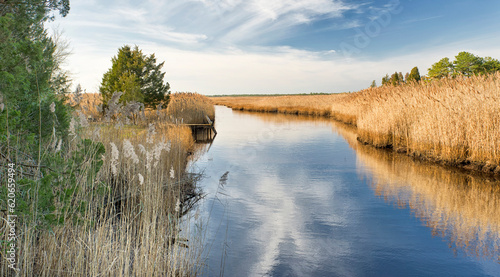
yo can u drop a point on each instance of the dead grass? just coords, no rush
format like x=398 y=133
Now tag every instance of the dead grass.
x=190 y=108
x=186 y=107
x=456 y=121
x=88 y=104
x=319 y=105
x=452 y=121
x=136 y=224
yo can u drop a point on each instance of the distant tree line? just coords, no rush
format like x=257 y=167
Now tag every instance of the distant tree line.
x=465 y=64
x=397 y=78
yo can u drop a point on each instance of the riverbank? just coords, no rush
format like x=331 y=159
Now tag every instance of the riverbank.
x=449 y=121
x=456 y=205
x=317 y=105
x=296 y=180
x=120 y=195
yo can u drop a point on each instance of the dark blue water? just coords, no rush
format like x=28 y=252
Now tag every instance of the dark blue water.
x=303 y=198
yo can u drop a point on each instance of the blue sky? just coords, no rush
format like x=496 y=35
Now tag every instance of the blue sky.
x=280 y=46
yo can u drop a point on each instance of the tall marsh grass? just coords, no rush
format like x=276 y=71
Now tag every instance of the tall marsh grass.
x=191 y=108
x=186 y=107
x=318 y=105
x=454 y=121
x=458 y=206
x=129 y=217
x=88 y=103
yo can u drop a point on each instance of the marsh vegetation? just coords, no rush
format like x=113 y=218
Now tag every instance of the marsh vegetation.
x=304 y=197
x=455 y=121
x=115 y=198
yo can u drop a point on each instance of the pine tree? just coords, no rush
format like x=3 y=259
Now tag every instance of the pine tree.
x=137 y=76
x=443 y=68
x=491 y=65
x=394 y=79
x=414 y=75
x=30 y=77
x=385 y=80
x=401 y=78
x=77 y=95
x=467 y=64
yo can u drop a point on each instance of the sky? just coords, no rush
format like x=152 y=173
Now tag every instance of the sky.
x=276 y=46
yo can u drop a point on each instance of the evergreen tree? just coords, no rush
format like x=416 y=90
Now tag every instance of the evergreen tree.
x=468 y=64
x=374 y=84
x=33 y=114
x=443 y=68
x=30 y=77
x=137 y=76
x=401 y=78
x=394 y=79
x=385 y=80
x=77 y=95
x=414 y=75
x=490 y=65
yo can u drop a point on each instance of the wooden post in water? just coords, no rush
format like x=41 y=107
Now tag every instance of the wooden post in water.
x=212 y=128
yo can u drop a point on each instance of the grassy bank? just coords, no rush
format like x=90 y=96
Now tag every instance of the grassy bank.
x=452 y=121
x=191 y=108
x=116 y=201
x=319 y=105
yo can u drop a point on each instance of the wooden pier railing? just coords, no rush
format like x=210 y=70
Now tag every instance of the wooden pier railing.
x=203 y=132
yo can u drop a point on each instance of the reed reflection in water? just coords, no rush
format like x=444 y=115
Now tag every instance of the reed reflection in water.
x=459 y=206
x=304 y=198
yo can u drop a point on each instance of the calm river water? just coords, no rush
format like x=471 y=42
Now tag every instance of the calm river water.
x=302 y=197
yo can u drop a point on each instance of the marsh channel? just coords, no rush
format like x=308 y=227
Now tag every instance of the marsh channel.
x=300 y=196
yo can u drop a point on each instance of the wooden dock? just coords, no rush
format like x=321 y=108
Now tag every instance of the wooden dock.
x=203 y=132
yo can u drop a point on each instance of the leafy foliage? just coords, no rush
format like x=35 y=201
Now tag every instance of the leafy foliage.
x=385 y=80
x=30 y=79
x=34 y=119
x=443 y=68
x=50 y=199
x=395 y=79
x=465 y=64
x=491 y=65
x=137 y=76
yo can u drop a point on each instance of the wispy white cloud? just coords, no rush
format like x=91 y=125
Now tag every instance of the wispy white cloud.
x=264 y=69
x=281 y=219
x=214 y=46
x=222 y=22
x=267 y=20
x=415 y=20
x=132 y=13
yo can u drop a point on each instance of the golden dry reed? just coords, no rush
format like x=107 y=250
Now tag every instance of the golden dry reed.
x=319 y=105
x=88 y=104
x=136 y=223
x=191 y=108
x=462 y=208
x=454 y=121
